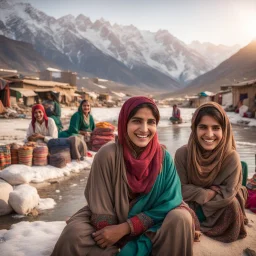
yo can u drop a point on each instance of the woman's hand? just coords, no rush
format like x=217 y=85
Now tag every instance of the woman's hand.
x=215 y=188
x=38 y=136
x=35 y=137
x=210 y=194
x=109 y=235
x=84 y=133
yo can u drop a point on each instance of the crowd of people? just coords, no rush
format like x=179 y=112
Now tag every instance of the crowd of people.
x=141 y=201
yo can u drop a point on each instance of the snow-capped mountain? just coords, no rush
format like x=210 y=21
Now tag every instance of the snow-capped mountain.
x=214 y=54
x=121 y=53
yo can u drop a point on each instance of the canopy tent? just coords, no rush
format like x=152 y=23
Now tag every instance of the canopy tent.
x=24 y=92
x=5 y=92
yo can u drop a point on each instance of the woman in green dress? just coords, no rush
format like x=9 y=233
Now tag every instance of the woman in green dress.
x=81 y=122
x=52 y=109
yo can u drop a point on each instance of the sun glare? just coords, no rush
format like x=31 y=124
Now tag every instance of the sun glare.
x=247 y=21
x=250 y=27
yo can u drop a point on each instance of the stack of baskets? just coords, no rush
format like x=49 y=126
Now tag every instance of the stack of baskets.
x=14 y=153
x=5 y=156
x=40 y=154
x=25 y=155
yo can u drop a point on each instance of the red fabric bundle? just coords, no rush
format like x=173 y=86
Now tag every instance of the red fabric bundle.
x=100 y=136
x=102 y=131
x=251 y=200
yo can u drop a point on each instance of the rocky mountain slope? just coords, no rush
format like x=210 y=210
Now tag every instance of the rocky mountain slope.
x=120 y=53
x=21 y=56
x=239 y=67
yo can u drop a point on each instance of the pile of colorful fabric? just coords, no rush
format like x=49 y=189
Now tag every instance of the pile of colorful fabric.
x=25 y=155
x=40 y=154
x=5 y=156
x=251 y=200
x=102 y=134
x=59 y=152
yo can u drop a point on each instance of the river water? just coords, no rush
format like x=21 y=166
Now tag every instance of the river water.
x=68 y=194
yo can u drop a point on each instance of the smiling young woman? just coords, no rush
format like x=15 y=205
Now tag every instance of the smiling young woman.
x=41 y=128
x=211 y=175
x=133 y=194
x=81 y=122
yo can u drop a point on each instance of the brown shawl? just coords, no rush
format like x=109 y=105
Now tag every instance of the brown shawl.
x=221 y=168
x=207 y=165
x=111 y=209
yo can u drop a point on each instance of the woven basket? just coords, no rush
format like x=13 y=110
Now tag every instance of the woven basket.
x=25 y=155
x=5 y=156
x=40 y=154
x=14 y=153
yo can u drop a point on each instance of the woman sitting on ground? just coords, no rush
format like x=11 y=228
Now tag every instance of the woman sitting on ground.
x=52 y=109
x=211 y=175
x=42 y=128
x=133 y=195
x=176 y=117
x=81 y=122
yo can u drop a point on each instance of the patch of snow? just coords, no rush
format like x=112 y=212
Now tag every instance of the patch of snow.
x=100 y=86
x=46 y=203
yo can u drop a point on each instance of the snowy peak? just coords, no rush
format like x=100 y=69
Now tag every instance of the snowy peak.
x=77 y=41
x=214 y=54
x=83 y=22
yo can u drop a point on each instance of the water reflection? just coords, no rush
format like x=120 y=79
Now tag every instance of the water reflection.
x=176 y=136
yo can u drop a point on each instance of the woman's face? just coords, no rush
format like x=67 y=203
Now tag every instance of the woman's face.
x=141 y=128
x=86 y=108
x=39 y=115
x=209 y=133
x=48 y=96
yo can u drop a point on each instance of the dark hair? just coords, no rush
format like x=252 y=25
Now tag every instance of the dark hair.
x=174 y=105
x=81 y=104
x=153 y=108
x=53 y=96
x=210 y=111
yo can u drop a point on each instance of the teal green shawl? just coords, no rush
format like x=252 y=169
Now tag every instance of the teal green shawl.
x=77 y=124
x=163 y=197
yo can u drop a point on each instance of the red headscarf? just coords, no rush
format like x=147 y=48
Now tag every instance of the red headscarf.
x=142 y=171
x=34 y=108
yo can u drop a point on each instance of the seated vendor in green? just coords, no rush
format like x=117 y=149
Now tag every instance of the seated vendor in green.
x=81 y=122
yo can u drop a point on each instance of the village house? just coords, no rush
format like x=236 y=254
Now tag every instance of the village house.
x=195 y=101
x=52 y=74
x=34 y=91
x=224 y=97
x=244 y=92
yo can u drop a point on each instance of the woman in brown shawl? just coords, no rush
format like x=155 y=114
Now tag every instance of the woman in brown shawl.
x=211 y=175
x=133 y=195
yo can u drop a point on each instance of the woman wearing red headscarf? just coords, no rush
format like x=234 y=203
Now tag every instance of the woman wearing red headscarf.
x=133 y=195
x=41 y=128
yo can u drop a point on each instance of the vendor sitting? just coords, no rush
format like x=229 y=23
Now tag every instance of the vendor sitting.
x=81 y=122
x=41 y=128
x=176 y=118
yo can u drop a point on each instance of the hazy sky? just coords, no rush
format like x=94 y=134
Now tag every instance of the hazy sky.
x=217 y=21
